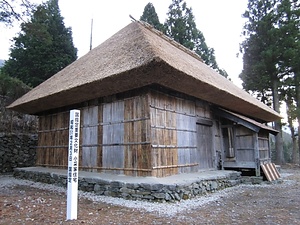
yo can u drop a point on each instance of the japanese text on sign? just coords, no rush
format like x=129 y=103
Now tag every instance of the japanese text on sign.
x=73 y=163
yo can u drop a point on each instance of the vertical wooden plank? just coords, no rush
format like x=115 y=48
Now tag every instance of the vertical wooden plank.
x=173 y=123
x=85 y=153
x=136 y=131
x=65 y=133
x=113 y=135
x=100 y=136
x=52 y=130
x=244 y=144
x=256 y=154
x=39 y=153
x=204 y=143
x=90 y=137
x=220 y=146
x=185 y=139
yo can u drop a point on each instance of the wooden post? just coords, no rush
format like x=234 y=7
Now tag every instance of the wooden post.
x=256 y=154
x=73 y=160
x=222 y=147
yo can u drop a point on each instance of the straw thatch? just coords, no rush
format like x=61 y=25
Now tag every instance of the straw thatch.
x=135 y=57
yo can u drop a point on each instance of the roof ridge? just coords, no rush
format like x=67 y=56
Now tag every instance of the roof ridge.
x=170 y=40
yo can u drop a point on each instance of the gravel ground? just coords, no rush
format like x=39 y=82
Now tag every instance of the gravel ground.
x=26 y=202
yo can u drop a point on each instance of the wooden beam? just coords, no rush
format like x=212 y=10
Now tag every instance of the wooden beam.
x=237 y=120
x=99 y=168
x=205 y=122
x=175 y=166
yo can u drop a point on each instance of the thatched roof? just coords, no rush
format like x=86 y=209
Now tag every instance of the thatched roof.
x=134 y=57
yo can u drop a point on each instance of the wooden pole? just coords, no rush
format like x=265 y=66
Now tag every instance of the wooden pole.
x=91 y=39
x=73 y=161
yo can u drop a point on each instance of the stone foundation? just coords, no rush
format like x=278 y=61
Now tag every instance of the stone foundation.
x=165 y=191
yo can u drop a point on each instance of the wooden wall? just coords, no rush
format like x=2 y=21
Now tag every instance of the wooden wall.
x=264 y=146
x=53 y=135
x=137 y=136
x=113 y=135
x=91 y=151
x=176 y=136
x=250 y=148
x=205 y=150
x=114 y=138
x=244 y=144
x=148 y=134
x=163 y=135
x=126 y=138
x=218 y=144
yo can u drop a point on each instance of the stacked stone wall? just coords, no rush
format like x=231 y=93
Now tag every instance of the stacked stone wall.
x=155 y=192
x=17 y=150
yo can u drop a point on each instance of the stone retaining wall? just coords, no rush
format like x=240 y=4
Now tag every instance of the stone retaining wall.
x=136 y=191
x=17 y=150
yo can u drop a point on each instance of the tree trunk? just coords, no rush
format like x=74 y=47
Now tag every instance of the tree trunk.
x=298 y=110
x=290 y=119
x=278 y=125
x=294 y=141
x=295 y=156
x=298 y=137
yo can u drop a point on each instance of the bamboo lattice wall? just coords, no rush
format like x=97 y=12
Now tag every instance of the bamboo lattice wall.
x=149 y=134
x=175 y=144
x=114 y=138
x=53 y=135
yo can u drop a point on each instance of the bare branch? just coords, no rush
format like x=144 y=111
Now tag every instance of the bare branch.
x=9 y=13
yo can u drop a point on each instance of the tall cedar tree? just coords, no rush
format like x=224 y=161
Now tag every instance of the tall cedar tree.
x=180 y=25
x=43 y=47
x=261 y=52
x=150 y=16
x=288 y=22
x=291 y=110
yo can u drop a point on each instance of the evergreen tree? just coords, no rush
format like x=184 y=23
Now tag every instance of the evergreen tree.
x=271 y=55
x=150 y=16
x=261 y=72
x=12 y=88
x=291 y=112
x=43 y=47
x=254 y=75
x=180 y=25
x=288 y=23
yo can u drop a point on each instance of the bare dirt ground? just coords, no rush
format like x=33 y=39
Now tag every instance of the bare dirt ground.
x=25 y=202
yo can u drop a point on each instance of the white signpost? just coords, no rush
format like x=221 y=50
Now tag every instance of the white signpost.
x=73 y=160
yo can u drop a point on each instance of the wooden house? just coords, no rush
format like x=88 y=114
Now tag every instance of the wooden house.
x=149 y=107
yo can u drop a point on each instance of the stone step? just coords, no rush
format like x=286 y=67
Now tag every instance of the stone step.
x=251 y=180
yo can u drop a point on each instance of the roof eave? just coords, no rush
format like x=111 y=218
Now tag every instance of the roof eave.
x=155 y=72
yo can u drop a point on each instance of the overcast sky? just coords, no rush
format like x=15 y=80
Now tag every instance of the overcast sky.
x=219 y=20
